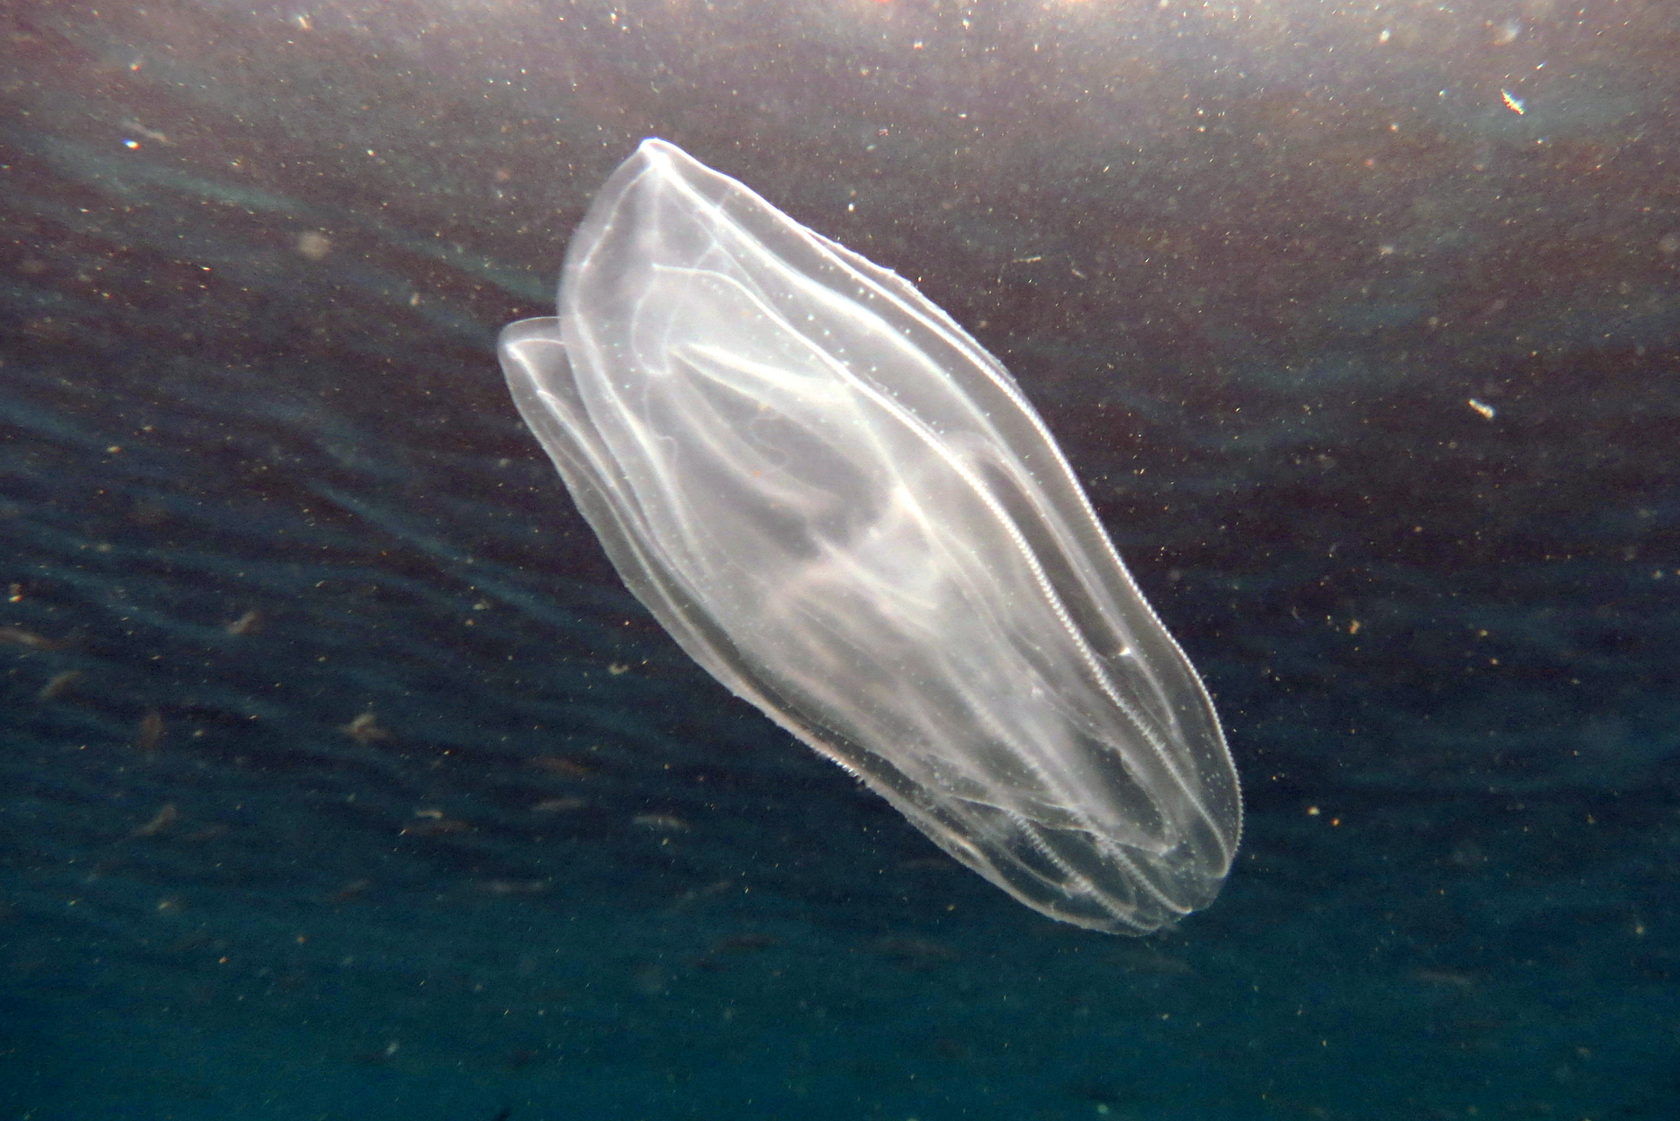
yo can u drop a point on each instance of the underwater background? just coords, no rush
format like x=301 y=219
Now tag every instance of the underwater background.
x=340 y=777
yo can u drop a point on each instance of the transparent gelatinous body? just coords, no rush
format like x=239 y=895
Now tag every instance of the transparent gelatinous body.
x=846 y=511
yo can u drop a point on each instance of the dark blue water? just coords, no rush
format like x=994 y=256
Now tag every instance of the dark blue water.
x=340 y=778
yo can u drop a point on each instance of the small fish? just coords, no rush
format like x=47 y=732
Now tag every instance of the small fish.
x=61 y=685
x=249 y=623
x=559 y=805
x=161 y=822
x=1512 y=102
x=433 y=823
x=661 y=823
x=365 y=729
x=513 y=887
x=29 y=640
x=352 y=890
x=150 y=733
x=152 y=134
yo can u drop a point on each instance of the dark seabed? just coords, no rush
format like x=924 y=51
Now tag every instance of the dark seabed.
x=343 y=780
